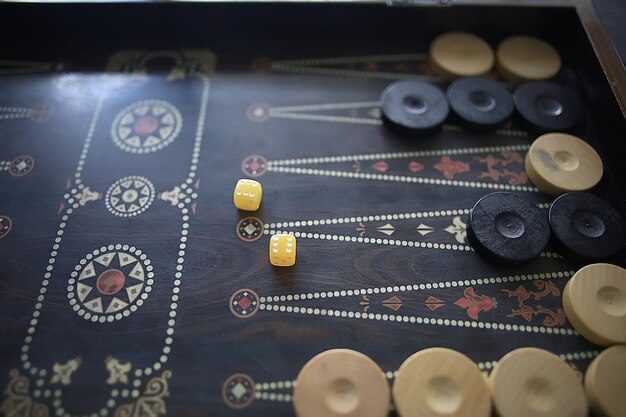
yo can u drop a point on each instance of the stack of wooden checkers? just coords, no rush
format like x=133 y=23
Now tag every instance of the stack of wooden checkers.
x=478 y=101
x=594 y=301
x=518 y=59
x=437 y=382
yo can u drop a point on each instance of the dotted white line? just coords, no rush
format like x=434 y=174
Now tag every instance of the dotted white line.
x=417 y=320
x=551 y=255
x=364 y=219
x=399 y=155
x=352 y=73
x=291 y=112
x=15 y=109
x=90 y=133
x=273 y=396
x=195 y=158
x=415 y=287
x=328 y=106
x=400 y=178
x=356 y=59
x=325 y=118
x=166 y=351
x=274 y=385
x=375 y=241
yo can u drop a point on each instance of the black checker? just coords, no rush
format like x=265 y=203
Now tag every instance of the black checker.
x=507 y=228
x=548 y=106
x=587 y=226
x=414 y=105
x=480 y=102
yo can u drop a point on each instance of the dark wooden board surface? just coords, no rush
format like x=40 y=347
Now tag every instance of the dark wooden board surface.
x=383 y=263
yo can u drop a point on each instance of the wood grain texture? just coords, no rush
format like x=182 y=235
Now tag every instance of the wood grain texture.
x=533 y=382
x=341 y=382
x=559 y=163
x=605 y=382
x=595 y=303
x=383 y=263
x=524 y=58
x=459 y=54
x=439 y=381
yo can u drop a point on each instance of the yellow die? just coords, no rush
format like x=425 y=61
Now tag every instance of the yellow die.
x=247 y=195
x=283 y=250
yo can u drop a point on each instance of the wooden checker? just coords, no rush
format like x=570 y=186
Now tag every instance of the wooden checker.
x=341 y=382
x=605 y=382
x=439 y=381
x=461 y=54
x=525 y=58
x=529 y=382
x=594 y=301
x=558 y=163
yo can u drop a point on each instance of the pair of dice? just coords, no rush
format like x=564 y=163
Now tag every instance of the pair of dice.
x=247 y=196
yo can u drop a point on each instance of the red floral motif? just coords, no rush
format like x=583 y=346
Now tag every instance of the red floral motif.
x=475 y=303
x=514 y=178
x=545 y=288
x=450 y=167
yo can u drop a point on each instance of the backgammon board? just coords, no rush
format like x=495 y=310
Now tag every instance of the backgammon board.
x=131 y=286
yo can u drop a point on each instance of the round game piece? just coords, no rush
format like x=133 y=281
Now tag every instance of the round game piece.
x=587 y=226
x=530 y=382
x=594 y=301
x=605 y=382
x=460 y=54
x=524 y=58
x=507 y=228
x=480 y=101
x=341 y=382
x=438 y=381
x=548 y=106
x=558 y=163
x=414 y=105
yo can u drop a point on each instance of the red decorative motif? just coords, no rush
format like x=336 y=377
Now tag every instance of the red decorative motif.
x=415 y=166
x=545 y=289
x=146 y=125
x=371 y=66
x=425 y=68
x=381 y=166
x=514 y=178
x=110 y=281
x=393 y=303
x=433 y=303
x=450 y=167
x=475 y=303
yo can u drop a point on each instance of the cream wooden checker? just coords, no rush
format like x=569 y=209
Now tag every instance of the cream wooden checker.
x=530 y=382
x=440 y=382
x=594 y=301
x=558 y=163
x=460 y=54
x=341 y=383
x=524 y=58
x=605 y=382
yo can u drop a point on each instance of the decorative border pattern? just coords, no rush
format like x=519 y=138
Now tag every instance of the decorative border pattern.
x=152 y=399
x=132 y=307
x=142 y=207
